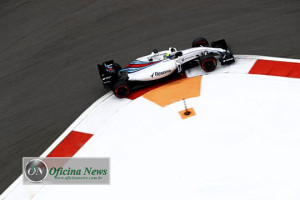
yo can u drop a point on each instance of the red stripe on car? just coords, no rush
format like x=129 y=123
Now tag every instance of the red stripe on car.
x=140 y=65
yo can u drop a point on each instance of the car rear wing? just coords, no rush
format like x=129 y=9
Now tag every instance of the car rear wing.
x=106 y=67
x=107 y=73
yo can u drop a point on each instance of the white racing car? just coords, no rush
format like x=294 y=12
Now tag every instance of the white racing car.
x=159 y=66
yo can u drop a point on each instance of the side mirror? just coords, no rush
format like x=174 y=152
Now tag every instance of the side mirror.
x=155 y=51
x=178 y=54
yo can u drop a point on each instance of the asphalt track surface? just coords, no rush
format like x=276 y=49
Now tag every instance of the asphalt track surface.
x=49 y=51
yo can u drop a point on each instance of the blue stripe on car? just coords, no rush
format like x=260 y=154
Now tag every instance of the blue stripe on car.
x=133 y=69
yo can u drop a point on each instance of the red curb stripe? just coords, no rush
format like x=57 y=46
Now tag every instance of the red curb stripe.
x=276 y=68
x=70 y=145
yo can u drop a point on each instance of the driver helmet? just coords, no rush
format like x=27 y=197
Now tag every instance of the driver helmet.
x=167 y=55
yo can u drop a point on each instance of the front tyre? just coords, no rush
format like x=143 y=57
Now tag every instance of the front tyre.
x=198 y=42
x=121 y=89
x=208 y=63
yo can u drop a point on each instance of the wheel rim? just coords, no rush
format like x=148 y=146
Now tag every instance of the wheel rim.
x=122 y=91
x=201 y=43
x=209 y=65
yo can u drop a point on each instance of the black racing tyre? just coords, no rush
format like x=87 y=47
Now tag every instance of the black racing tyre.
x=208 y=63
x=117 y=67
x=121 y=89
x=200 y=42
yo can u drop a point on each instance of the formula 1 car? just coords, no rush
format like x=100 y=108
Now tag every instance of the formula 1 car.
x=159 y=66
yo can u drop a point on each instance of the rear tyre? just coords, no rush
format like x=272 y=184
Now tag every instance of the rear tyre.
x=208 y=63
x=121 y=89
x=200 y=42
